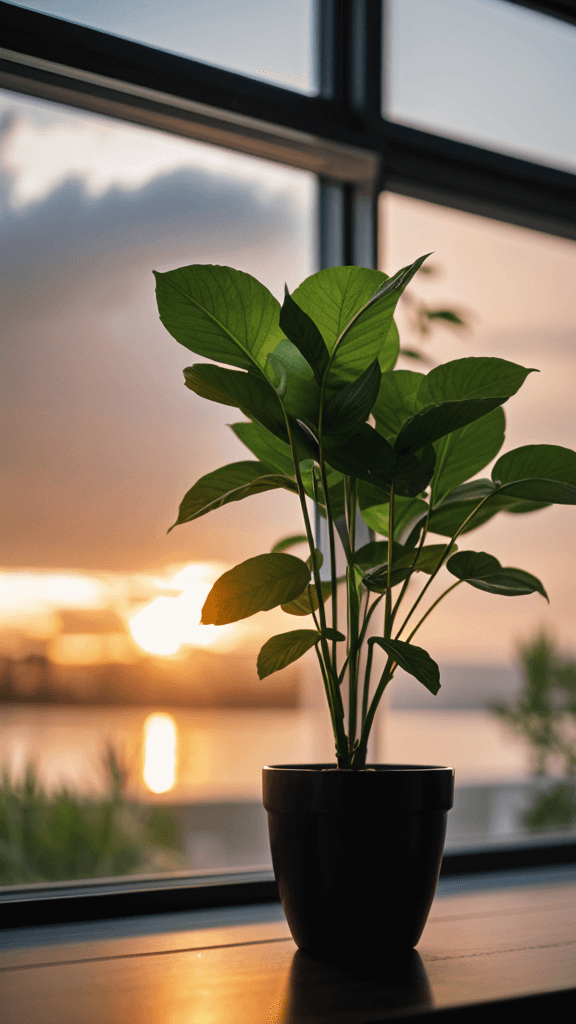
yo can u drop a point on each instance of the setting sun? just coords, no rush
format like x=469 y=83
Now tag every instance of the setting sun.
x=167 y=623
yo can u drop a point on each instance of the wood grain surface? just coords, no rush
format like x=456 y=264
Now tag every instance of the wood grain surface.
x=241 y=965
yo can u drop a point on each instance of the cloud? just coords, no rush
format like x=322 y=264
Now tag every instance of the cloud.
x=103 y=439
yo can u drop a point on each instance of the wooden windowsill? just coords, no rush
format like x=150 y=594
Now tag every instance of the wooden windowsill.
x=486 y=940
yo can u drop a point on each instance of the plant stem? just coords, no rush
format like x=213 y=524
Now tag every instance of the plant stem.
x=360 y=753
x=331 y=542
x=388 y=608
x=353 y=616
x=331 y=683
x=415 y=559
x=447 y=550
x=432 y=607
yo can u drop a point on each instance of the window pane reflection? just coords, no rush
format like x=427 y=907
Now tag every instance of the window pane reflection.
x=274 y=42
x=99 y=608
x=515 y=287
x=487 y=72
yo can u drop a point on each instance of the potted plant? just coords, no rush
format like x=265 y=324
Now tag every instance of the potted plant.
x=356 y=848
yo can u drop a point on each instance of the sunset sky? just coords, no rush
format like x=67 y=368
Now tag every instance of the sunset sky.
x=103 y=439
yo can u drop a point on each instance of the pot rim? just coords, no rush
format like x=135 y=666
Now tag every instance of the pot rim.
x=331 y=766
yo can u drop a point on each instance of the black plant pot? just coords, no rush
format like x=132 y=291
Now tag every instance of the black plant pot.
x=357 y=854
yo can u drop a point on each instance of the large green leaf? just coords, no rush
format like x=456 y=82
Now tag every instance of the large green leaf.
x=255 y=585
x=437 y=421
x=301 y=330
x=484 y=572
x=457 y=393
x=471 y=378
x=284 y=648
x=347 y=409
x=229 y=483
x=265 y=446
x=465 y=452
x=414 y=660
x=538 y=472
x=253 y=395
x=368 y=456
x=332 y=297
x=353 y=308
x=220 y=313
x=360 y=342
x=397 y=401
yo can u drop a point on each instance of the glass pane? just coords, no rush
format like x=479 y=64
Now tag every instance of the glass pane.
x=275 y=42
x=486 y=72
x=515 y=287
x=99 y=608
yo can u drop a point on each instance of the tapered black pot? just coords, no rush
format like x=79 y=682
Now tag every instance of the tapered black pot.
x=357 y=854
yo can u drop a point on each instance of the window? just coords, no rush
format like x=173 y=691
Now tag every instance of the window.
x=117 y=158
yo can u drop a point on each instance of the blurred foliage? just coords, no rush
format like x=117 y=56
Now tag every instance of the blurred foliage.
x=422 y=319
x=60 y=836
x=545 y=715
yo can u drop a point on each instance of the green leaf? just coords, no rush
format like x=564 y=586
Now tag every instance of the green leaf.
x=353 y=311
x=428 y=561
x=472 y=378
x=255 y=585
x=375 y=507
x=436 y=421
x=538 y=472
x=448 y=517
x=368 y=456
x=457 y=393
x=229 y=483
x=308 y=602
x=376 y=580
x=319 y=560
x=371 y=555
x=413 y=660
x=253 y=395
x=466 y=452
x=347 y=409
x=265 y=446
x=360 y=342
x=290 y=542
x=484 y=572
x=221 y=313
x=397 y=401
x=301 y=330
x=301 y=394
x=284 y=648
x=332 y=297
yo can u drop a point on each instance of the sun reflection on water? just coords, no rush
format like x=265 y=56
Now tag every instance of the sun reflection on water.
x=160 y=752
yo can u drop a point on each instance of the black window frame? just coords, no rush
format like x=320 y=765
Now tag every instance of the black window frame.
x=341 y=136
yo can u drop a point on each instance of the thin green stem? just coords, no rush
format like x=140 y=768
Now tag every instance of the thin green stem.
x=388 y=608
x=353 y=615
x=332 y=690
x=406 y=583
x=432 y=607
x=447 y=550
x=331 y=541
